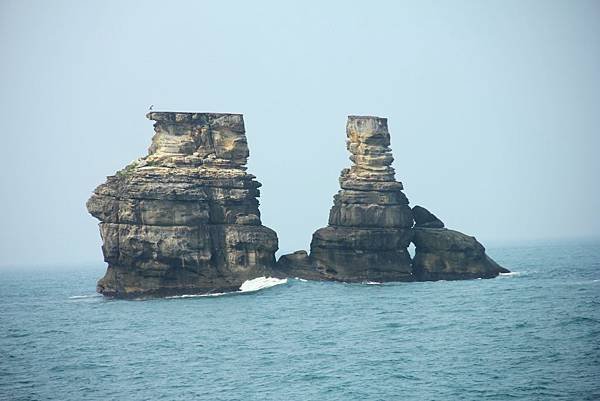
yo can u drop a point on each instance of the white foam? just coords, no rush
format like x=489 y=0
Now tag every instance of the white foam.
x=260 y=283
x=214 y=294
x=372 y=283
x=85 y=296
x=511 y=274
x=253 y=285
x=300 y=279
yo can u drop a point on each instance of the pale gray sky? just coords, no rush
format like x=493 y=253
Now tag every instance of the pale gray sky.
x=493 y=108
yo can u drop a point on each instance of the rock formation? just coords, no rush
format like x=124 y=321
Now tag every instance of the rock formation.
x=425 y=219
x=442 y=254
x=371 y=226
x=370 y=222
x=184 y=219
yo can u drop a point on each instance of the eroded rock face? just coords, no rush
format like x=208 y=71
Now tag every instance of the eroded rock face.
x=184 y=219
x=442 y=254
x=370 y=222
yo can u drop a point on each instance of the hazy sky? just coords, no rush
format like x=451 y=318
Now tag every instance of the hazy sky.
x=493 y=108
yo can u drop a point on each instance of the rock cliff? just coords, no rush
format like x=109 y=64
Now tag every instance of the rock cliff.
x=184 y=219
x=371 y=226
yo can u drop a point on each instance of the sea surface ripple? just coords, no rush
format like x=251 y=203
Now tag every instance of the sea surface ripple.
x=531 y=335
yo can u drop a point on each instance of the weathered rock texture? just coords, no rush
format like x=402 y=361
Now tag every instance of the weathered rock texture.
x=184 y=219
x=442 y=254
x=371 y=226
x=370 y=222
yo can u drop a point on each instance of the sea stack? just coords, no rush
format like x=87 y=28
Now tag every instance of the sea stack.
x=370 y=222
x=371 y=226
x=184 y=219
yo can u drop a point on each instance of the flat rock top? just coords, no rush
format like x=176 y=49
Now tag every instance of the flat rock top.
x=367 y=125
x=356 y=117
x=177 y=116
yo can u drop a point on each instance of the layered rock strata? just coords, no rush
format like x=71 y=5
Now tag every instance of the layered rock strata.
x=370 y=222
x=184 y=219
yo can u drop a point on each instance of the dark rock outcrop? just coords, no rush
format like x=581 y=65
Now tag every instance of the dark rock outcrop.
x=298 y=265
x=425 y=219
x=442 y=254
x=184 y=219
x=370 y=222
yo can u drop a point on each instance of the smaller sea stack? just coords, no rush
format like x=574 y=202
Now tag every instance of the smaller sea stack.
x=370 y=222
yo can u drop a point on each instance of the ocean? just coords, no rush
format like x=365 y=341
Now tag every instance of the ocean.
x=533 y=334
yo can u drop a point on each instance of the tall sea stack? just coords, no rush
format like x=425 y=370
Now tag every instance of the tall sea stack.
x=184 y=219
x=370 y=222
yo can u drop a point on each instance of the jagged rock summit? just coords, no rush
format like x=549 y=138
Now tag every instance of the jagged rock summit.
x=184 y=219
x=371 y=226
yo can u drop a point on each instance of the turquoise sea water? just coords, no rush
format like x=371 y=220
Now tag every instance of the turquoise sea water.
x=533 y=335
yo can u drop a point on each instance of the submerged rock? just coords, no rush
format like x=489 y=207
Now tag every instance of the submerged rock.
x=184 y=219
x=442 y=254
x=370 y=222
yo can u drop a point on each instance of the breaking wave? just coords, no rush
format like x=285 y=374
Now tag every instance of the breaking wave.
x=85 y=296
x=256 y=284
x=213 y=294
x=510 y=274
x=261 y=283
